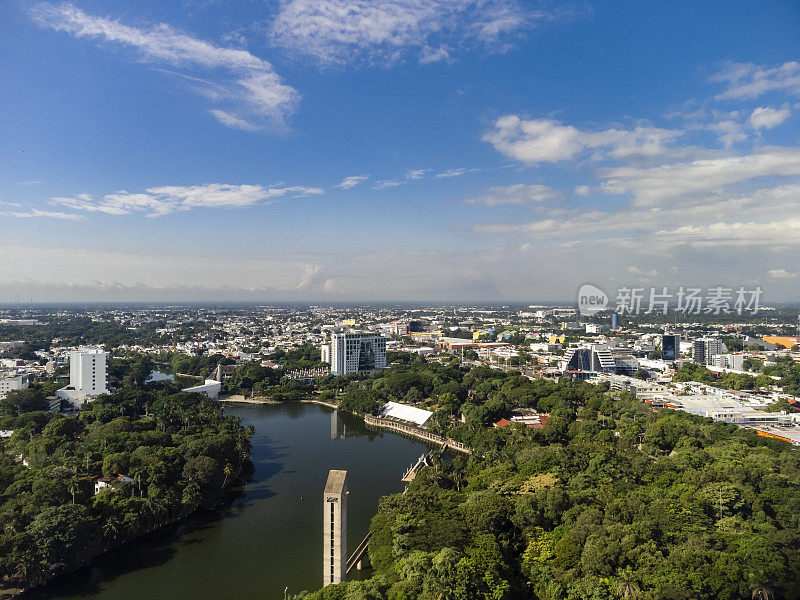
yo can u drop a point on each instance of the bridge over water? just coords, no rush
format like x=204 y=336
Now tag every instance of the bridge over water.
x=416 y=432
x=356 y=559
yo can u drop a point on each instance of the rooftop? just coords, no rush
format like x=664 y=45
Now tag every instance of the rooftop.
x=406 y=413
x=336 y=482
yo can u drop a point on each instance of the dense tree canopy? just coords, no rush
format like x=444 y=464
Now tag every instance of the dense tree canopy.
x=177 y=451
x=611 y=499
x=16 y=402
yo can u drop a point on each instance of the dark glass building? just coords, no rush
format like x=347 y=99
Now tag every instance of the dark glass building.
x=670 y=346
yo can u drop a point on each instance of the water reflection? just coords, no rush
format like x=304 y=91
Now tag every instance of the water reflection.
x=267 y=537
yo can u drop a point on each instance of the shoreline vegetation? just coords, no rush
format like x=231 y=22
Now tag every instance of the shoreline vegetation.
x=609 y=499
x=74 y=487
x=238 y=399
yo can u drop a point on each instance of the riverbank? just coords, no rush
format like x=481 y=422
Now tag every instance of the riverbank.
x=182 y=455
x=294 y=446
x=369 y=421
x=229 y=493
x=238 y=399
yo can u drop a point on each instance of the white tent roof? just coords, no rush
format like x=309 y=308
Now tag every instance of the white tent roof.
x=406 y=413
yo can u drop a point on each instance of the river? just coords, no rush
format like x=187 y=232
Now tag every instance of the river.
x=270 y=537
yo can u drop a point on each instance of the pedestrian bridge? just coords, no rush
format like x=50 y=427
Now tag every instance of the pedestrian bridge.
x=416 y=432
x=356 y=559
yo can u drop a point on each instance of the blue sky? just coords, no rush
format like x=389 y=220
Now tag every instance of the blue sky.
x=340 y=150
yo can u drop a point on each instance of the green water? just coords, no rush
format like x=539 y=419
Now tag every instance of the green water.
x=269 y=538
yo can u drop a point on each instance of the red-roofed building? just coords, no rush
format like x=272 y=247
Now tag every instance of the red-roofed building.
x=532 y=421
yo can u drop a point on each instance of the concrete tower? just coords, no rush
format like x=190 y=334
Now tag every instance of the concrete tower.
x=334 y=531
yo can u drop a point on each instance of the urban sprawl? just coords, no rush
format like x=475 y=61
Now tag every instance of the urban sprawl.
x=740 y=373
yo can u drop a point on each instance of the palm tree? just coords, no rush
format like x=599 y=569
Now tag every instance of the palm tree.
x=110 y=529
x=73 y=489
x=227 y=469
x=626 y=584
x=761 y=592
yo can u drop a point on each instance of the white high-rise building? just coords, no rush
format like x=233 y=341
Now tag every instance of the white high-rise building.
x=325 y=353
x=87 y=375
x=357 y=352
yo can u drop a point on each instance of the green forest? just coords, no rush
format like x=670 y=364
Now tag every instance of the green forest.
x=164 y=454
x=611 y=499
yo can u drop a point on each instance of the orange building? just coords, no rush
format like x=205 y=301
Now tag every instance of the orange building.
x=786 y=342
x=777 y=435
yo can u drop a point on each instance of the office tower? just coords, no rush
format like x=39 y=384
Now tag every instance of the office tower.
x=596 y=358
x=614 y=321
x=357 y=352
x=705 y=349
x=670 y=346
x=334 y=531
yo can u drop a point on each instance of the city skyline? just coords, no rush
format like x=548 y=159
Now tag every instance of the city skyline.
x=439 y=151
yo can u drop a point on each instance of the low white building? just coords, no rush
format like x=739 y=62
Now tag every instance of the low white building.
x=404 y=412
x=210 y=388
x=728 y=361
x=12 y=381
x=111 y=482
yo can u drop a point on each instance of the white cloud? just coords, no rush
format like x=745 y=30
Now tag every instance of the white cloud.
x=739 y=233
x=782 y=274
x=643 y=275
x=518 y=194
x=168 y=199
x=582 y=190
x=430 y=55
x=767 y=118
x=220 y=273
x=652 y=186
x=746 y=80
x=455 y=172
x=728 y=131
x=762 y=217
x=385 y=31
x=48 y=214
x=205 y=272
x=534 y=141
x=234 y=122
x=417 y=173
x=248 y=87
x=387 y=183
x=352 y=181
x=545 y=140
x=311 y=275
